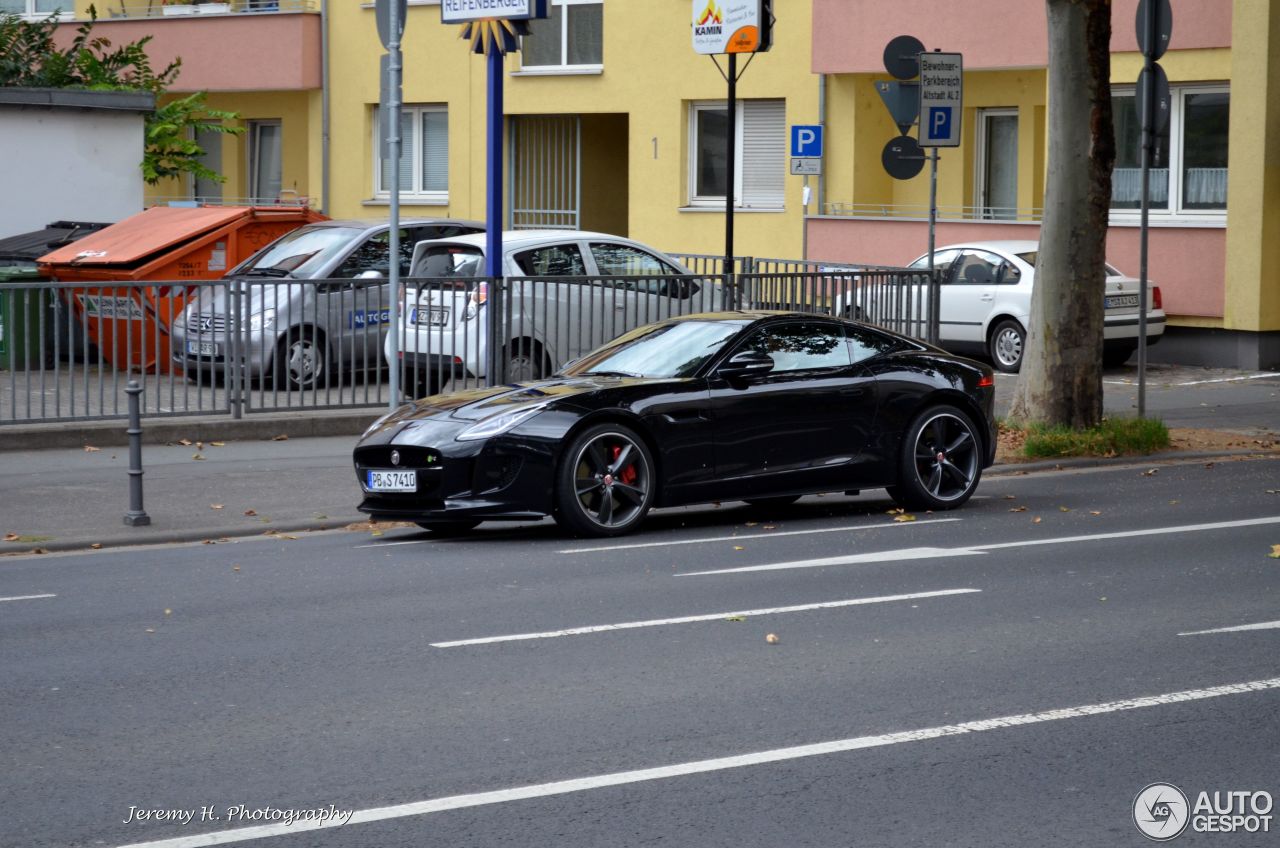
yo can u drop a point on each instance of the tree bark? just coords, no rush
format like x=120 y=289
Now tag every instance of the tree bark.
x=1061 y=376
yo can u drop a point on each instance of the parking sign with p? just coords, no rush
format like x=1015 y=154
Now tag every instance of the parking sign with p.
x=941 y=99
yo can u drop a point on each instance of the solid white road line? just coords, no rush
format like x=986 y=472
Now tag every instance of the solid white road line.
x=1229 y=379
x=932 y=553
x=756 y=537
x=27 y=597
x=1265 y=625
x=583 y=784
x=394 y=544
x=688 y=619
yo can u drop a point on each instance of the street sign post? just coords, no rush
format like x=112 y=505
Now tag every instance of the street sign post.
x=941 y=97
x=806 y=161
x=389 y=18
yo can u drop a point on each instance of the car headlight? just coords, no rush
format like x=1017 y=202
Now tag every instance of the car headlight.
x=264 y=320
x=498 y=424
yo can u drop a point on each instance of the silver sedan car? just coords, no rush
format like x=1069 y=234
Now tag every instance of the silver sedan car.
x=313 y=301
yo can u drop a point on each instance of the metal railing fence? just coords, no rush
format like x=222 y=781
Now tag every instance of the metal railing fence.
x=238 y=347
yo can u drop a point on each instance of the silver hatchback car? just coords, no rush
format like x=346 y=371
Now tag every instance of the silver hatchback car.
x=313 y=301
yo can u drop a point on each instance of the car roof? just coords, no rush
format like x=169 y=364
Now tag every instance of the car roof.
x=515 y=239
x=374 y=223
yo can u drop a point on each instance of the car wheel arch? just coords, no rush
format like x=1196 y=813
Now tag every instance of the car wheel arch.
x=292 y=332
x=960 y=400
x=632 y=422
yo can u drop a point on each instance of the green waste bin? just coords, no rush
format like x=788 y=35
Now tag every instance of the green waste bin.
x=26 y=320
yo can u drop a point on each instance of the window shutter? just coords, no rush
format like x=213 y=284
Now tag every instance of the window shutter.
x=435 y=146
x=407 y=133
x=764 y=149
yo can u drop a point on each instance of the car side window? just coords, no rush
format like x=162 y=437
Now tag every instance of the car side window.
x=864 y=344
x=374 y=252
x=554 y=260
x=801 y=347
x=976 y=268
x=1009 y=274
x=941 y=259
x=623 y=260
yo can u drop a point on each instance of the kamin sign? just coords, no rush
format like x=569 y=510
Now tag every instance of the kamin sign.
x=731 y=26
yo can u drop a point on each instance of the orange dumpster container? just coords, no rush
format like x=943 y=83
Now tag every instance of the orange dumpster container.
x=130 y=324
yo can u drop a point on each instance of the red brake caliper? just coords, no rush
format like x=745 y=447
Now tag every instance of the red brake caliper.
x=628 y=474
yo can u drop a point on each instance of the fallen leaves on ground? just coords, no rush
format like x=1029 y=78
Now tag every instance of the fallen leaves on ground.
x=736 y=618
x=218 y=444
x=1095 y=512
x=250 y=512
x=739 y=548
x=772 y=638
x=1151 y=472
x=235 y=568
x=895 y=511
x=97 y=546
x=11 y=537
x=197 y=457
x=750 y=524
x=1036 y=520
x=215 y=506
x=904 y=517
x=1064 y=509
x=769 y=527
x=91 y=449
x=1011 y=497
x=1275 y=552
x=186 y=443
x=1018 y=509
x=207 y=542
x=283 y=437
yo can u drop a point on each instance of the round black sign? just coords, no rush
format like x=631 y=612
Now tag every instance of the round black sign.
x=1163 y=29
x=1160 y=106
x=902 y=157
x=902 y=57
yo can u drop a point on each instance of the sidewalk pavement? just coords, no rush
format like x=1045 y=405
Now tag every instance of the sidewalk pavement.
x=246 y=483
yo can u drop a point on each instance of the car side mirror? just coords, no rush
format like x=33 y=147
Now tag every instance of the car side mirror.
x=748 y=363
x=369 y=275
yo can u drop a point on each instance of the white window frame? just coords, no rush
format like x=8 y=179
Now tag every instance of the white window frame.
x=67 y=13
x=564 y=67
x=253 y=144
x=412 y=193
x=1175 y=214
x=716 y=201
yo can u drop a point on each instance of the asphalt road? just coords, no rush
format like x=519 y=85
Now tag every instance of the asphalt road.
x=986 y=677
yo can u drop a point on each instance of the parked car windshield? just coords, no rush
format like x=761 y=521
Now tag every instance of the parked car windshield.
x=677 y=349
x=301 y=253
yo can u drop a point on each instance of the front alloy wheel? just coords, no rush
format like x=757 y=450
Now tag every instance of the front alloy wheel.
x=941 y=461
x=606 y=482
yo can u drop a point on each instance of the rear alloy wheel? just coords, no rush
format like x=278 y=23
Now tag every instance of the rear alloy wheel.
x=301 y=359
x=447 y=528
x=605 y=485
x=1007 y=342
x=941 y=461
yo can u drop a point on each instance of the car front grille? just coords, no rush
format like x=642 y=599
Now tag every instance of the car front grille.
x=207 y=323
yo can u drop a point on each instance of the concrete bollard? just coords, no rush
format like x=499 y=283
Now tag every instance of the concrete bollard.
x=136 y=516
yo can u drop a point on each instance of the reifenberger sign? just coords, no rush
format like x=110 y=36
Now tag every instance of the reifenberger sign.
x=730 y=26
x=464 y=11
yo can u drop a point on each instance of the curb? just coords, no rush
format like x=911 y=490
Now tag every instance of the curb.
x=169 y=537
x=209 y=428
x=1006 y=468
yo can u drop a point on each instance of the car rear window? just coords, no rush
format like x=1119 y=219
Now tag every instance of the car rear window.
x=1031 y=256
x=449 y=260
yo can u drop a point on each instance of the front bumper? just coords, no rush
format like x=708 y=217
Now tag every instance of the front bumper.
x=507 y=479
x=254 y=352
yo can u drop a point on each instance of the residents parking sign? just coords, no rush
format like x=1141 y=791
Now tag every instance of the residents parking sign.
x=941 y=90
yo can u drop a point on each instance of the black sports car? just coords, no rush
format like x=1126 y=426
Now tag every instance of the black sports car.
x=754 y=406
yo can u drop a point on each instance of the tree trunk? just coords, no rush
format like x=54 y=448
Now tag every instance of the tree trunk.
x=1061 y=375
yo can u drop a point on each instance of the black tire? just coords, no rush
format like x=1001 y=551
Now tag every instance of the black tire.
x=301 y=360
x=448 y=528
x=1006 y=345
x=606 y=482
x=941 y=460
x=772 y=503
x=1114 y=357
x=524 y=360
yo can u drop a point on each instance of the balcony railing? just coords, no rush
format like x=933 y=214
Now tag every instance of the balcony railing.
x=158 y=9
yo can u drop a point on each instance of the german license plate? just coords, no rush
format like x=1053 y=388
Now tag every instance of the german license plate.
x=391 y=481
x=202 y=348
x=435 y=316
x=1116 y=301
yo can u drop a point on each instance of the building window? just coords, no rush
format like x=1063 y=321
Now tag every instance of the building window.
x=570 y=39
x=1189 y=165
x=39 y=9
x=265 y=161
x=760 y=154
x=424 y=156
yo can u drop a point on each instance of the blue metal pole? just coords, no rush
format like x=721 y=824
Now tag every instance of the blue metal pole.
x=493 y=244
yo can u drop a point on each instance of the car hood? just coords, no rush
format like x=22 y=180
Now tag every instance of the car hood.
x=476 y=404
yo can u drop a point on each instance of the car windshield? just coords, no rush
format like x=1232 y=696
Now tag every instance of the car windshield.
x=676 y=349
x=450 y=260
x=301 y=253
x=1031 y=256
